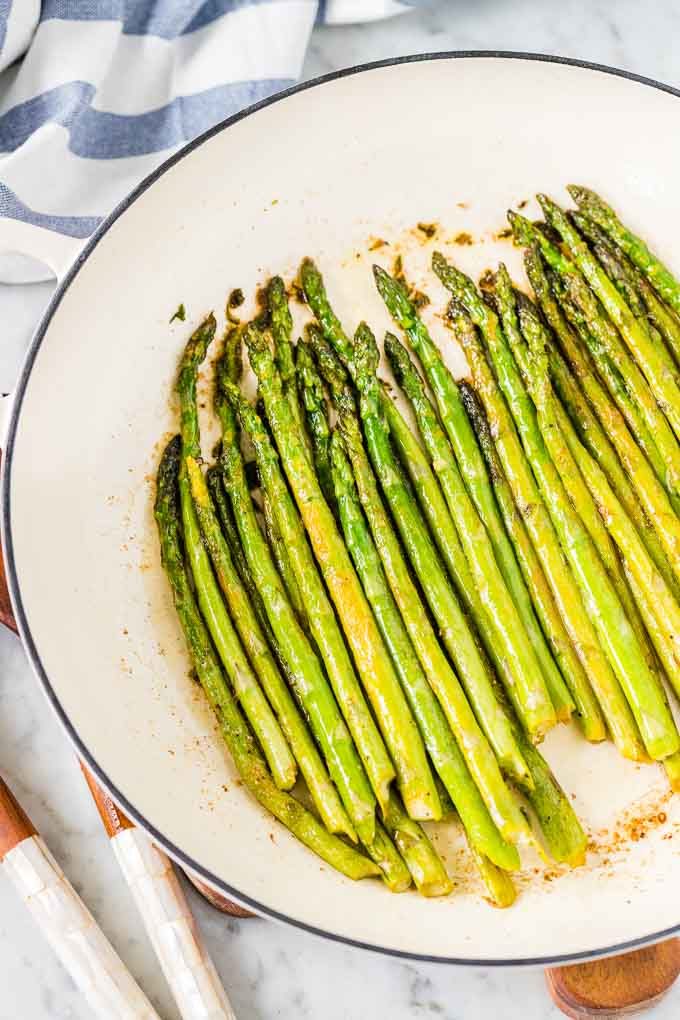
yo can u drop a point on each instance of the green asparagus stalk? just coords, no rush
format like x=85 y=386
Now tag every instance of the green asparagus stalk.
x=415 y=780
x=248 y=691
x=652 y=590
x=563 y=650
x=641 y=583
x=422 y=860
x=661 y=315
x=395 y=871
x=245 y=754
x=563 y=834
x=280 y=322
x=572 y=479
x=471 y=465
x=435 y=509
x=617 y=266
x=662 y=379
x=448 y=807
x=462 y=439
x=384 y=853
x=414 y=534
x=634 y=287
x=437 y=735
x=635 y=248
x=628 y=386
x=454 y=626
x=283 y=564
x=614 y=379
x=499 y=886
x=230 y=532
x=584 y=503
x=303 y=667
x=672 y=769
x=312 y=396
x=471 y=756
x=641 y=686
x=529 y=694
x=254 y=641
x=597 y=423
x=325 y=629
x=561 y=828
x=538 y=520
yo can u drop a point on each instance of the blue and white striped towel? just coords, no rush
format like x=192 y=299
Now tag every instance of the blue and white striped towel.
x=95 y=93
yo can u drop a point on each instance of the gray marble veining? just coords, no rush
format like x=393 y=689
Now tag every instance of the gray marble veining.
x=272 y=971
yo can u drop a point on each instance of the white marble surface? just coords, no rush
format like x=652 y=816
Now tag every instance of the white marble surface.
x=271 y=971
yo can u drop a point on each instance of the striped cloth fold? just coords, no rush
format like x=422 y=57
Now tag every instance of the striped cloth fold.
x=94 y=94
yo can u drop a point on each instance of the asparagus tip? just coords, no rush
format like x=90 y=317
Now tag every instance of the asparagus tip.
x=580 y=194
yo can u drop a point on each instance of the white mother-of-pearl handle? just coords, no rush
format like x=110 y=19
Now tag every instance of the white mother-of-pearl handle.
x=171 y=927
x=107 y=985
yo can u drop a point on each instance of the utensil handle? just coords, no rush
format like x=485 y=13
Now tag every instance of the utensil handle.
x=617 y=986
x=166 y=914
x=106 y=984
x=172 y=929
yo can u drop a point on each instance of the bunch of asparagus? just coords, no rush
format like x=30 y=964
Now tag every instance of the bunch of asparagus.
x=387 y=622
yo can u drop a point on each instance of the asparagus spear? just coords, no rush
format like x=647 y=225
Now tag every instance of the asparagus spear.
x=283 y=564
x=245 y=754
x=579 y=493
x=614 y=379
x=433 y=504
x=437 y=735
x=247 y=689
x=633 y=286
x=564 y=836
x=625 y=381
x=311 y=393
x=650 y=588
x=471 y=464
x=563 y=650
x=325 y=629
x=562 y=831
x=448 y=759
x=499 y=885
x=635 y=248
x=571 y=477
x=662 y=379
x=372 y=659
x=638 y=681
x=455 y=629
x=537 y=522
x=383 y=852
x=413 y=531
x=303 y=667
x=280 y=322
x=422 y=860
x=230 y=532
x=254 y=641
x=543 y=533
x=529 y=694
x=655 y=628
x=460 y=434
x=592 y=431
x=661 y=315
x=653 y=496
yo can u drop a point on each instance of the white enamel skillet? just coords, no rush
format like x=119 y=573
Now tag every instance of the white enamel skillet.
x=329 y=169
